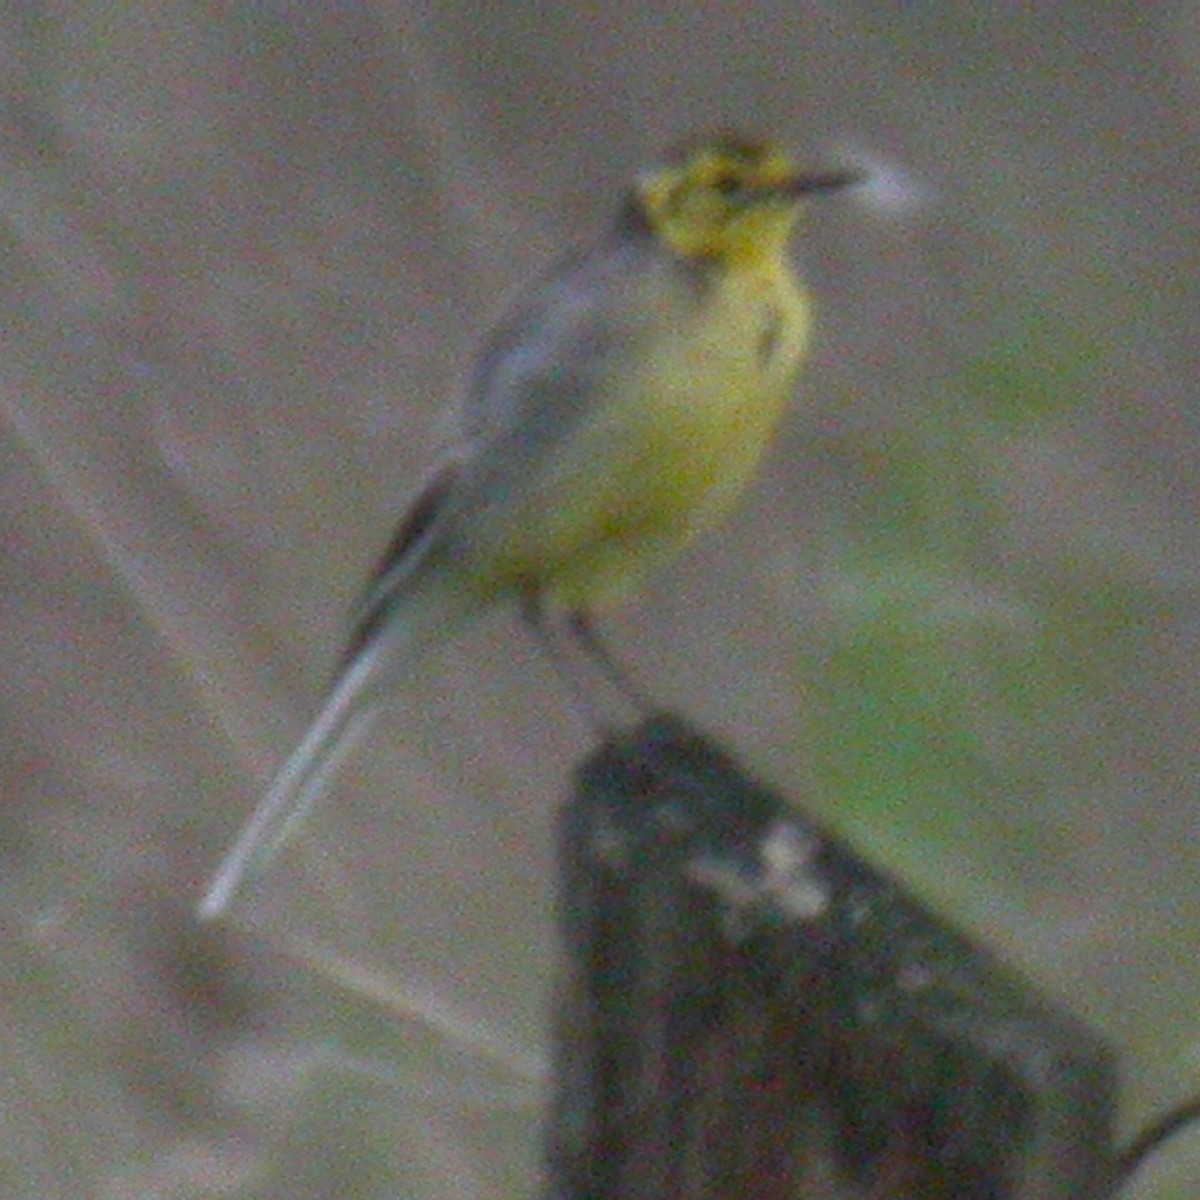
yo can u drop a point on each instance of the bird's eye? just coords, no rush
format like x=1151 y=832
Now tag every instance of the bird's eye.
x=729 y=185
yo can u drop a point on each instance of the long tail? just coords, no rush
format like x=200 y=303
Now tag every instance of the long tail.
x=349 y=712
x=338 y=728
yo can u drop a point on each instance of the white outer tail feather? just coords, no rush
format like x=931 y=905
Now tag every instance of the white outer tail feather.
x=430 y=606
x=342 y=723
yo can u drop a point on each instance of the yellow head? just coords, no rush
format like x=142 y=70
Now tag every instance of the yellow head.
x=727 y=198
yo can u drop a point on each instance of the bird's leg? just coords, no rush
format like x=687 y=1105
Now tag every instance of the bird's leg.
x=580 y=627
x=533 y=616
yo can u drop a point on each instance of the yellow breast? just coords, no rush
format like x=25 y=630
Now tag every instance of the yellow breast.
x=711 y=398
x=672 y=443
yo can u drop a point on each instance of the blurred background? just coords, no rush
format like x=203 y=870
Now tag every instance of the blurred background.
x=247 y=252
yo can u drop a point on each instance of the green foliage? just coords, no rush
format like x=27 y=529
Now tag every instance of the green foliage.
x=958 y=664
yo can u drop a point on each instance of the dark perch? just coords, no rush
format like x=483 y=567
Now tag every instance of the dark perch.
x=750 y=1012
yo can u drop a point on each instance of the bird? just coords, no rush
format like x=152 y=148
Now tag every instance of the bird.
x=614 y=414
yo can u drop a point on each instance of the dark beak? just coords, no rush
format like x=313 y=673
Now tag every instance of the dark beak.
x=831 y=181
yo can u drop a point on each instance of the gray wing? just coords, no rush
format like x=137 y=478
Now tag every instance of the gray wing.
x=541 y=370
x=400 y=558
x=536 y=380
